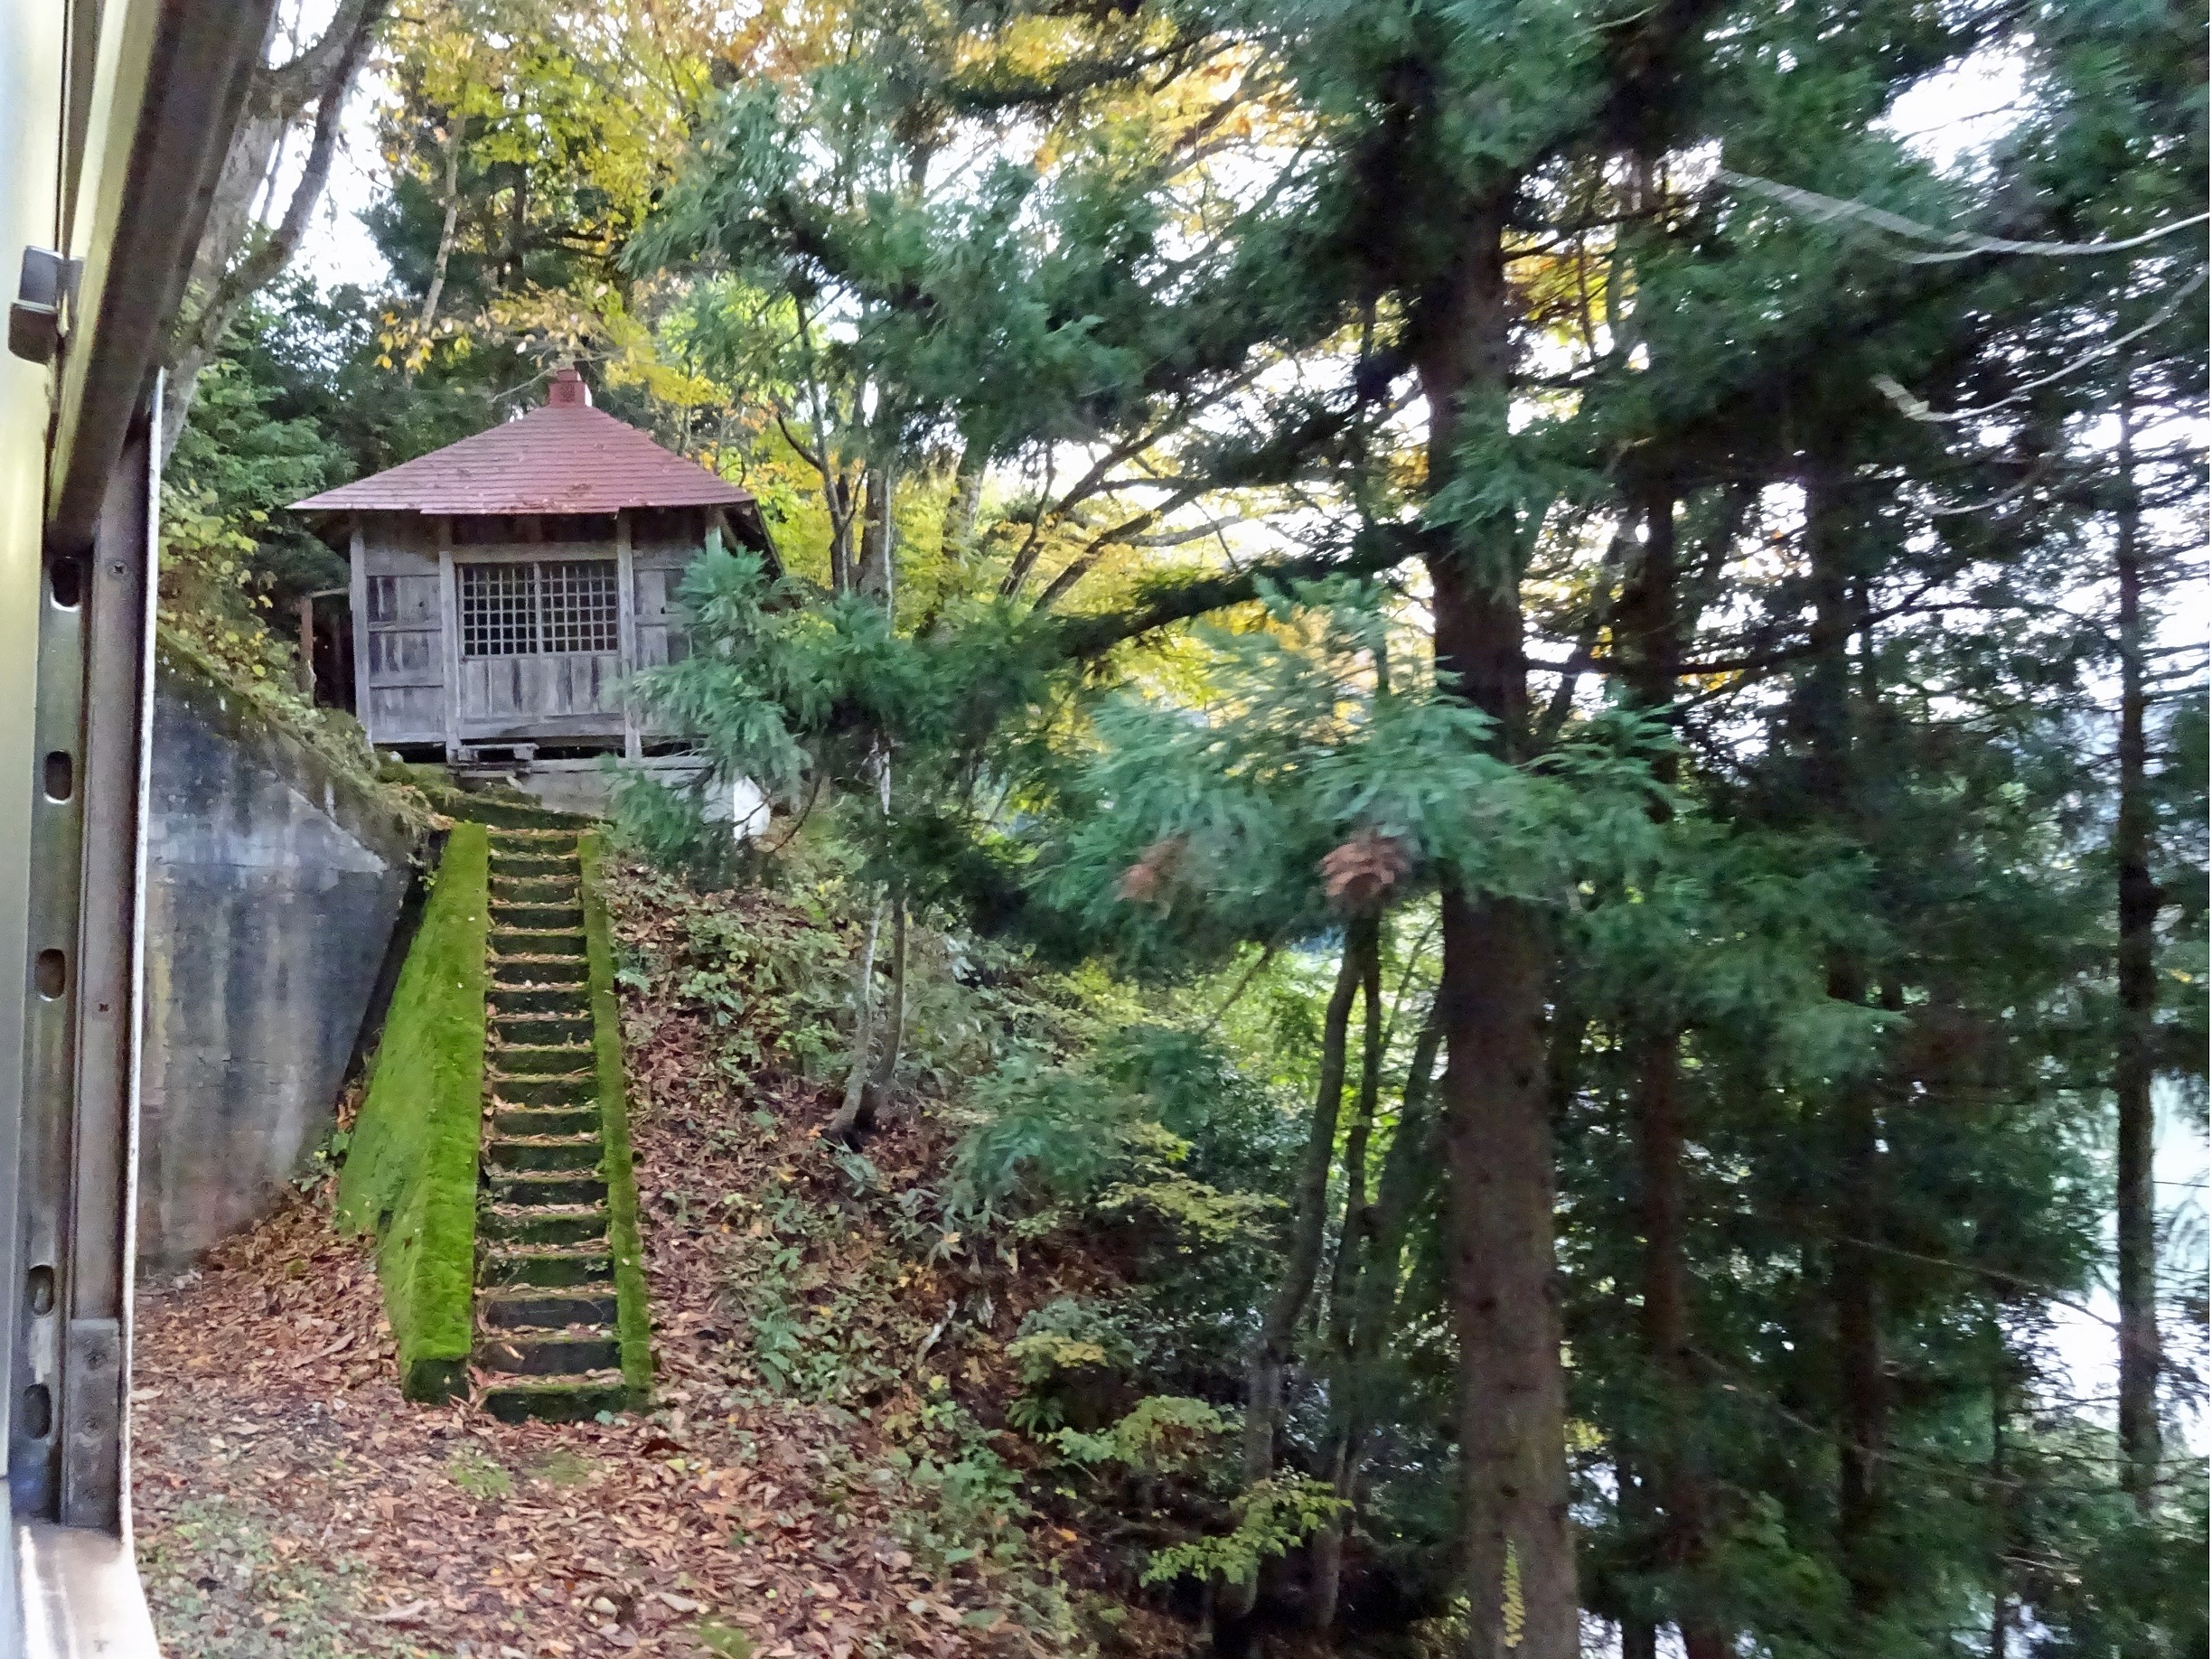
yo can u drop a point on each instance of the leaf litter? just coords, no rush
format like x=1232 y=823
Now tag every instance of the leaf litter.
x=288 y=1501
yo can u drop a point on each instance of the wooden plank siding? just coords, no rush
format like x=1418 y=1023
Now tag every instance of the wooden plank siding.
x=661 y=546
x=401 y=672
x=416 y=685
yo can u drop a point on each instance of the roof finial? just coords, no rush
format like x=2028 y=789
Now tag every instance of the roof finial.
x=567 y=391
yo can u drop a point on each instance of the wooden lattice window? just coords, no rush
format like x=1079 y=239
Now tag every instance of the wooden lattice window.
x=550 y=607
x=576 y=607
x=499 y=610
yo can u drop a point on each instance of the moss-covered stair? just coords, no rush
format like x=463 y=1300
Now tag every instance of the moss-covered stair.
x=549 y=1317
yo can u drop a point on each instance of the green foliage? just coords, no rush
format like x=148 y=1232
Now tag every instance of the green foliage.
x=246 y=453
x=820 y=1306
x=410 y=1172
x=726 y=1641
x=1192 y=828
x=220 y=1574
x=1082 y=1135
x=1065 y=1351
x=1156 y=277
x=475 y=1473
x=771 y=983
x=670 y=827
x=1271 y=1519
x=967 y=1507
x=1203 y=1216
x=1061 y=1128
x=800 y=697
x=1163 y=1435
x=231 y=554
x=2131 y=1584
x=562 y=1469
x=212 y=599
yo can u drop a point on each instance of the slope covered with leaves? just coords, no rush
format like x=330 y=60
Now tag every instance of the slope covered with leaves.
x=837 y=1462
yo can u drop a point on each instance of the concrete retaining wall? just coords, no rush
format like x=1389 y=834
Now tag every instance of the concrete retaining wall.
x=274 y=887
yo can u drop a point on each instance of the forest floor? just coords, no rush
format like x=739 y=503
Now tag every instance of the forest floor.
x=287 y=1500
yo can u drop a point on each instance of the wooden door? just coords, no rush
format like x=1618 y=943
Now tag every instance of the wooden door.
x=541 y=647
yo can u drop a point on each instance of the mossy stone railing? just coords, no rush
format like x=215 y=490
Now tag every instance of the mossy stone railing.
x=410 y=1169
x=633 y=1328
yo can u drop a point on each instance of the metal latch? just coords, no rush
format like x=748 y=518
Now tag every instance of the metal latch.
x=48 y=282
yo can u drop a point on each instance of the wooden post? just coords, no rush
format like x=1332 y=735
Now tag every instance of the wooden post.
x=449 y=636
x=305 y=676
x=625 y=613
x=358 y=581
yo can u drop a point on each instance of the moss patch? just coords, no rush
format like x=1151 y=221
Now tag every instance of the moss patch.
x=410 y=1172
x=631 y=1322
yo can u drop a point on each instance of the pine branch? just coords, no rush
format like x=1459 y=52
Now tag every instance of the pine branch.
x=1162 y=606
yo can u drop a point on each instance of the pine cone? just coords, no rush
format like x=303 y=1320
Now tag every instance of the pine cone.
x=1147 y=881
x=1358 y=875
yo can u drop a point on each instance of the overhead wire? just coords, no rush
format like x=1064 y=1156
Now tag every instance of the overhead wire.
x=1956 y=244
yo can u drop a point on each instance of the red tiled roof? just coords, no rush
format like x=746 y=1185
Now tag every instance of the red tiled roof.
x=564 y=457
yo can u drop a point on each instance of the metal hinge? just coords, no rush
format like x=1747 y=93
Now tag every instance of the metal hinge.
x=36 y=323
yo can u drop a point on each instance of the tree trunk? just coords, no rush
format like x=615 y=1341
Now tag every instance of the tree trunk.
x=2000 y=1592
x=867 y=1075
x=1651 y=631
x=2135 y=1200
x=1327 y=1558
x=1352 y=1240
x=304 y=675
x=1854 y=1291
x=246 y=179
x=1677 y=1459
x=846 y=1121
x=960 y=508
x=1639 y=1632
x=222 y=281
x=837 y=491
x=1271 y=1356
x=446 y=233
x=518 y=226
x=857 y=1109
x=1409 y=1178
x=1517 y=1551
x=894 y=1013
x=1504 y=1295
x=874 y=577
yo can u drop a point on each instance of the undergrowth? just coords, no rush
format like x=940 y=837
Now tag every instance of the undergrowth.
x=213 y=626
x=1027 y=1284
x=235 y=1583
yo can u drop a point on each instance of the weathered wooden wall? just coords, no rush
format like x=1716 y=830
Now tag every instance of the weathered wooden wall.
x=398 y=640
x=416 y=687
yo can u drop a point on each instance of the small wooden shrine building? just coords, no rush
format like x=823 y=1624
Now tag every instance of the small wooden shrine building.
x=504 y=586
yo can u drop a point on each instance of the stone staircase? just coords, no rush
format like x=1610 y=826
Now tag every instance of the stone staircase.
x=546 y=1343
